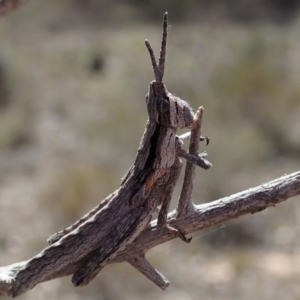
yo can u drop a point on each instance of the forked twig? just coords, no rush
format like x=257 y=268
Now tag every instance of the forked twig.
x=204 y=216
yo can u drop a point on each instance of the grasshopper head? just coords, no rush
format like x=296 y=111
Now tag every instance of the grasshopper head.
x=166 y=109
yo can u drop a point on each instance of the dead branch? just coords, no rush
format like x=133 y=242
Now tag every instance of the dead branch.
x=200 y=217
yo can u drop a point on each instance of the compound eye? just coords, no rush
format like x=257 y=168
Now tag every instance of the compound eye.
x=159 y=110
x=181 y=114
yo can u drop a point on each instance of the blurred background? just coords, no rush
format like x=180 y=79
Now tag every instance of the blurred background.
x=73 y=77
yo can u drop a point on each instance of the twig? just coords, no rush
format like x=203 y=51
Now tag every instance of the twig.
x=203 y=216
x=185 y=200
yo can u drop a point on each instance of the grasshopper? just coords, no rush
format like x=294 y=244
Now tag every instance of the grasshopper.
x=147 y=186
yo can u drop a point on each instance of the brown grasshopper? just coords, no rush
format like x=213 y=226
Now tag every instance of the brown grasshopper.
x=123 y=215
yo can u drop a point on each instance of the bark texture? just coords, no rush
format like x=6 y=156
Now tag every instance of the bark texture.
x=201 y=216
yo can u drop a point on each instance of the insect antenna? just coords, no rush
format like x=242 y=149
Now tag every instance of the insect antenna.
x=159 y=69
x=156 y=70
x=162 y=55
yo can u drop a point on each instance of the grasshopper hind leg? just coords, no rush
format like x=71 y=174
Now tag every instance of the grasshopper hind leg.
x=167 y=191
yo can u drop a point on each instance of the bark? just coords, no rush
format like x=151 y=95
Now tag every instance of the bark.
x=201 y=216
